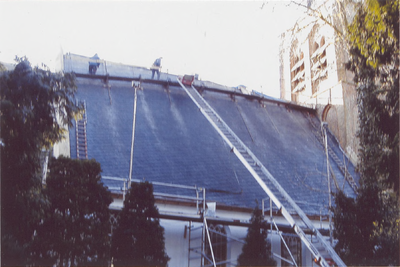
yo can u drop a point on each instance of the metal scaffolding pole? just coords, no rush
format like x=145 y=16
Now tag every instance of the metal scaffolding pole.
x=133 y=138
x=209 y=241
x=203 y=248
x=284 y=242
x=325 y=125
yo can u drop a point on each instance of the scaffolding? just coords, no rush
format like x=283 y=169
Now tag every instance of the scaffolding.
x=201 y=220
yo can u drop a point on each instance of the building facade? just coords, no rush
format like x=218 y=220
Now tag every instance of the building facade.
x=312 y=71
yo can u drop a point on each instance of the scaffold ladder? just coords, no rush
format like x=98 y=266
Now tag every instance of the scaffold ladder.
x=267 y=182
x=341 y=165
x=81 y=137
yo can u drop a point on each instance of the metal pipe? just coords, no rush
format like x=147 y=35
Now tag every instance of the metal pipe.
x=209 y=242
x=262 y=207
x=190 y=236
x=204 y=201
x=197 y=201
x=284 y=242
x=204 y=228
x=123 y=195
x=270 y=216
x=133 y=138
x=324 y=125
x=154 y=183
x=281 y=258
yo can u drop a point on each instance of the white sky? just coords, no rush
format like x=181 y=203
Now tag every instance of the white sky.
x=230 y=43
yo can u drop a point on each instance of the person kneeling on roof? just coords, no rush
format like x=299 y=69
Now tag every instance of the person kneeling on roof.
x=93 y=64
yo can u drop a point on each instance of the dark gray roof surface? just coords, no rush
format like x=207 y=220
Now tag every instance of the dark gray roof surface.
x=174 y=143
x=282 y=138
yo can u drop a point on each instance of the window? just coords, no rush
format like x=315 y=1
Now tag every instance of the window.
x=297 y=74
x=219 y=243
x=294 y=244
x=319 y=70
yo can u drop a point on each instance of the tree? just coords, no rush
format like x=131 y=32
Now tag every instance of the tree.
x=31 y=100
x=138 y=239
x=2 y=67
x=257 y=249
x=368 y=227
x=76 y=230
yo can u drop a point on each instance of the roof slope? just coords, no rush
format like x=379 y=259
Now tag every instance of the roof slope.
x=174 y=143
x=283 y=139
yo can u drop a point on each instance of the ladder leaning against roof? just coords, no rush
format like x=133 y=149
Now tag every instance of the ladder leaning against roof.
x=267 y=182
x=342 y=167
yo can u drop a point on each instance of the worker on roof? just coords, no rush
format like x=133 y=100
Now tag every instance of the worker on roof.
x=156 y=68
x=93 y=64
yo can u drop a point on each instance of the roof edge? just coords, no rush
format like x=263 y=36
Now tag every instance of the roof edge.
x=201 y=87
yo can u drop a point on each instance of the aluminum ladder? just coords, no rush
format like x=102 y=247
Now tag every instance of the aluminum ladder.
x=268 y=183
x=81 y=137
x=349 y=178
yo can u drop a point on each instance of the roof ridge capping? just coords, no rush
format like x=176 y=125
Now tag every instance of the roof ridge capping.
x=78 y=57
x=170 y=79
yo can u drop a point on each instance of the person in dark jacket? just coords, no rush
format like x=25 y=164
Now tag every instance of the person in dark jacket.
x=93 y=65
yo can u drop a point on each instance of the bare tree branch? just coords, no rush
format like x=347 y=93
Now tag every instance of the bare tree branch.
x=316 y=13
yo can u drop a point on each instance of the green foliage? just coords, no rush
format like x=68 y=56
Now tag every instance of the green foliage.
x=138 y=239
x=368 y=227
x=257 y=249
x=2 y=67
x=374 y=32
x=31 y=100
x=76 y=229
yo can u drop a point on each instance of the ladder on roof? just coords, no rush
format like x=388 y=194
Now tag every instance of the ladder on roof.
x=81 y=137
x=349 y=178
x=321 y=250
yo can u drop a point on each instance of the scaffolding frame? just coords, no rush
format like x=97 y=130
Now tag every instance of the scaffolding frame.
x=200 y=201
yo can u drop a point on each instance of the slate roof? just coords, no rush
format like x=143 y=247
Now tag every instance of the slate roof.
x=174 y=142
